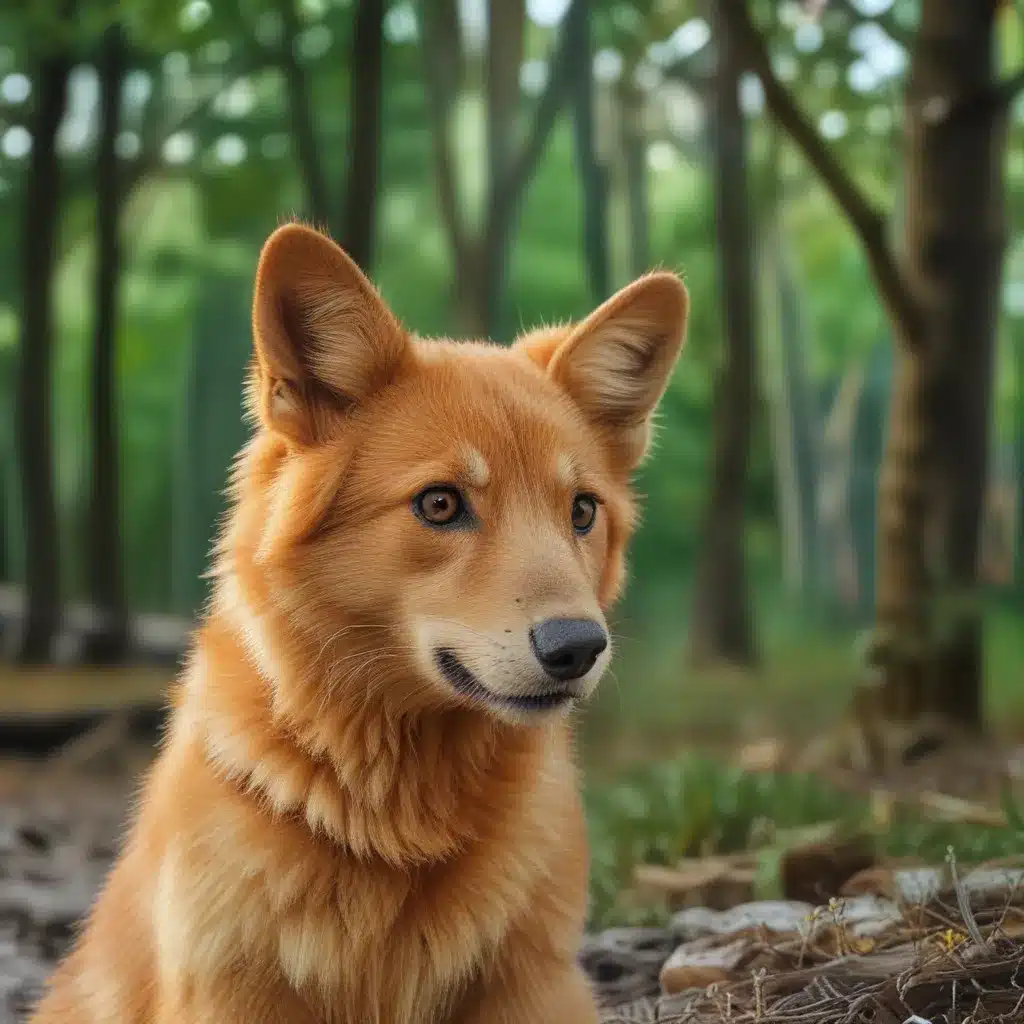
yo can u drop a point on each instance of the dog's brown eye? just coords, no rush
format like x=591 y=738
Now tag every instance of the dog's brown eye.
x=439 y=506
x=584 y=512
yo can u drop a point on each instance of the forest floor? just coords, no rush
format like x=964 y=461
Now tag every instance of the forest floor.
x=842 y=936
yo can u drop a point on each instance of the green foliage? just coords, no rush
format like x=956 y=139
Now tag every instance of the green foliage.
x=194 y=225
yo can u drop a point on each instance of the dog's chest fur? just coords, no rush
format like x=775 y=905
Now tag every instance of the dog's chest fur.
x=360 y=939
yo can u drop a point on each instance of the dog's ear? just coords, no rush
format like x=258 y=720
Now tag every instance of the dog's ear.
x=325 y=340
x=616 y=363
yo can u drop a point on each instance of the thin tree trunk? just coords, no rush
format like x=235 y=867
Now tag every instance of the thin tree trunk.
x=593 y=177
x=721 y=626
x=805 y=417
x=318 y=205
x=795 y=418
x=360 y=210
x=505 y=40
x=109 y=642
x=444 y=70
x=1019 y=466
x=634 y=155
x=34 y=399
x=779 y=403
x=836 y=486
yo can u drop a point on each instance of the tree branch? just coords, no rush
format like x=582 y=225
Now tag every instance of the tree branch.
x=864 y=218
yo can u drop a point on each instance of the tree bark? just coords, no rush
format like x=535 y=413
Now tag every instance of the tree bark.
x=593 y=177
x=34 y=399
x=109 y=641
x=936 y=464
x=721 y=627
x=359 y=221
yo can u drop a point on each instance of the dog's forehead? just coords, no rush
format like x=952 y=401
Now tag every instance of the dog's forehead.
x=490 y=406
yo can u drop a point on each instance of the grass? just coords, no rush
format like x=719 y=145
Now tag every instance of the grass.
x=694 y=806
x=659 y=788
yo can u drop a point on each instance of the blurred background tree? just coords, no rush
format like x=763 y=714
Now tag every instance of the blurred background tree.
x=840 y=184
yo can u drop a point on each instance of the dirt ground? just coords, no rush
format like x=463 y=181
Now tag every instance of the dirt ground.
x=58 y=838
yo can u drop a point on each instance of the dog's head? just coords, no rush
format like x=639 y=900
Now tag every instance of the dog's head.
x=444 y=522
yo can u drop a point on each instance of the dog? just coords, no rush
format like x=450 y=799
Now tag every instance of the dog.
x=365 y=807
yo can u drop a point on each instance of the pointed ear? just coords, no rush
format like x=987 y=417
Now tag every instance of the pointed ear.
x=617 y=363
x=325 y=340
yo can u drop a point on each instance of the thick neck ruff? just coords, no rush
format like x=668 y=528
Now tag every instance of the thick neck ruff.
x=407 y=790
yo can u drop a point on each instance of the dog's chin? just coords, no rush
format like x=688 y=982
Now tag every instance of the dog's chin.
x=518 y=706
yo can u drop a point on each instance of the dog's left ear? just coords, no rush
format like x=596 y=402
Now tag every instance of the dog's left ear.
x=617 y=363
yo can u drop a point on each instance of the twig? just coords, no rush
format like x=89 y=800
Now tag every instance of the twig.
x=963 y=900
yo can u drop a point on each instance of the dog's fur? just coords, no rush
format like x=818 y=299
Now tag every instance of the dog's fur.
x=332 y=831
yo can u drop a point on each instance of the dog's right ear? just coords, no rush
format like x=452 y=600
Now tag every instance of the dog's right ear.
x=325 y=340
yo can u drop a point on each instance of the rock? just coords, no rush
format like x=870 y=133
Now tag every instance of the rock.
x=698 y=964
x=778 y=916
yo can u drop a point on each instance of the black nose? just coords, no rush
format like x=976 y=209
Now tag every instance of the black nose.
x=568 y=648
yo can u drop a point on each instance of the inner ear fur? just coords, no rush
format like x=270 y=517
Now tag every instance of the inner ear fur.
x=616 y=364
x=324 y=338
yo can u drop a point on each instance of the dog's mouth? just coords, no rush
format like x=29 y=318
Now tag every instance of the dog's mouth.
x=465 y=682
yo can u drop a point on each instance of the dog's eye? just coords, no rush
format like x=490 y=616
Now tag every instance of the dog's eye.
x=584 y=512
x=439 y=506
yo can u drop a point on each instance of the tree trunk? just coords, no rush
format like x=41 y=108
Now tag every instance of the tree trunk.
x=443 y=64
x=1018 y=573
x=318 y=206
x=805 y=417
x=109 y=641
x=634 y=155
x=929 y=645
x=794 y=416
x=360 y=211
x=942 y=297
x=836 y=486
x=34 y=398
x=721 y=628
x=593 y=177
x=505 y=39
